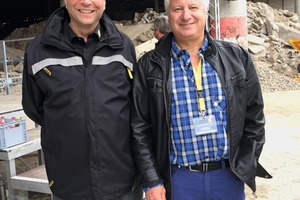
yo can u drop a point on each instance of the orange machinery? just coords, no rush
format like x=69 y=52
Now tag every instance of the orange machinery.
x=296 y=45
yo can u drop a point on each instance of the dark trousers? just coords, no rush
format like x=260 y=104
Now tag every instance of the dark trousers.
x=137 y=194
x=221 y=184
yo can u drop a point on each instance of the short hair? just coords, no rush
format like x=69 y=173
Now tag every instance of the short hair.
x=162 y=23
x=205 y=3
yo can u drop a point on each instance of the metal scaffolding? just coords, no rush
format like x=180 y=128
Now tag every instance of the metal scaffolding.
x=215 y=16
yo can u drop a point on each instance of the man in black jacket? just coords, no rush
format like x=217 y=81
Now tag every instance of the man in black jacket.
x=197 y=119
x=76 y=86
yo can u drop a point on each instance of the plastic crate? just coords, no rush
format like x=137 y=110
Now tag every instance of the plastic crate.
x=13 y=133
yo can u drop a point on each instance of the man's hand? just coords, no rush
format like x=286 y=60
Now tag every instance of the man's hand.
x=157 y=193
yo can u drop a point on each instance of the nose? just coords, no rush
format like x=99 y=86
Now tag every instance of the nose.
x=86 y=1
x=186 y=14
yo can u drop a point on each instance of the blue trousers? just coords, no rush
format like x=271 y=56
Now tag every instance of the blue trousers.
x=221 y=184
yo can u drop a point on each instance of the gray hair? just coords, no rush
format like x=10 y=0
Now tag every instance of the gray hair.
x=205 y=3
x=162 y=23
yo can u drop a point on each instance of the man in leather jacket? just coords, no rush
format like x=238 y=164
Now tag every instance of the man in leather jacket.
x=198 y=120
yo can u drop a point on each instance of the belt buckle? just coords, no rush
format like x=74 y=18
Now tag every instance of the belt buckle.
x=204 y=168
x=192 y=170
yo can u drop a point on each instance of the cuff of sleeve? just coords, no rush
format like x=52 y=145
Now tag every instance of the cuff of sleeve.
x=148 y=188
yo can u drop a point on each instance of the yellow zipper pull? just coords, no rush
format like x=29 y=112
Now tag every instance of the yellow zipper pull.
x=47 y=71
x=129 y=73
x=51 y=183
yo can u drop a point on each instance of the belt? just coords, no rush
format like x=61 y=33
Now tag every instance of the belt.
x=208 y=166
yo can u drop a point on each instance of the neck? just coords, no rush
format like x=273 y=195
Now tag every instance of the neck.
x=192 y=46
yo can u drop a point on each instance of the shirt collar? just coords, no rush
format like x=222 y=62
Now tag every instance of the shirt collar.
x=178 y=52
x=73 y=37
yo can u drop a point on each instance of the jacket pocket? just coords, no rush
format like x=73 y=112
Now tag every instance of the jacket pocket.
x=239 y=80
x=155 y=85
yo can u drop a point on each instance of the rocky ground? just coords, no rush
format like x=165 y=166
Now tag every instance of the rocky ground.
x=275 y=62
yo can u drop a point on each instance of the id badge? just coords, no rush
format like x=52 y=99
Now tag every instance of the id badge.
x=205 y=125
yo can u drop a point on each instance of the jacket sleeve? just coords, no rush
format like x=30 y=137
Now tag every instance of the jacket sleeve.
x=32 y=96
x=255 y=118
x=142 y=132
x=254 y=127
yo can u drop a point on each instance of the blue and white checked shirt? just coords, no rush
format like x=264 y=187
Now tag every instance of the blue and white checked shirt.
x=186 y=147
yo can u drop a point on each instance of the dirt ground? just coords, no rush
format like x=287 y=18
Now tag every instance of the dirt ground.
x=279 y=157
x=281 y=151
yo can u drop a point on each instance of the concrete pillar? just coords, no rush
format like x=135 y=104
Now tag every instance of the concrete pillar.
x=297 y=7
x=233 y=21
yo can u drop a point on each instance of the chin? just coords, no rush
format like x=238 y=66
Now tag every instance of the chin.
x=187 y=36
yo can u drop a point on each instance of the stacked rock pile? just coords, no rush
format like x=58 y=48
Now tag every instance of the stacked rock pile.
x=269 y=33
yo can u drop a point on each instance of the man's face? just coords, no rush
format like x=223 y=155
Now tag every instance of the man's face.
x=187 y=18
x=85 y=13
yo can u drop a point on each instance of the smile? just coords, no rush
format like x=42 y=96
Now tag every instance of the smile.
x=86 y=11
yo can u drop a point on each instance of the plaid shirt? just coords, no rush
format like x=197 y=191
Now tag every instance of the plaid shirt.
x=186 y=147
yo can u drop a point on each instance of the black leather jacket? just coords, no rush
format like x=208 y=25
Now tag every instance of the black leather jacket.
x=151 y=112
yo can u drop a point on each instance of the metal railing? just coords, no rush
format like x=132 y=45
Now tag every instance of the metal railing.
x=7 y=81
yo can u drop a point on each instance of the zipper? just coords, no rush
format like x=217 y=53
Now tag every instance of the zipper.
x=165 y=95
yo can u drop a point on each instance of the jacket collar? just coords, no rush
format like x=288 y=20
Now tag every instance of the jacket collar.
x=109 y=31
x=163 y=48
